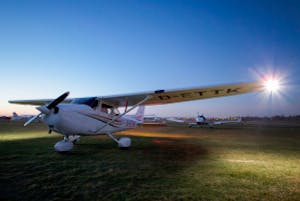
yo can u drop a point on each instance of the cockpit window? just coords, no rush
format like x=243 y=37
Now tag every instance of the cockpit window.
x=92 y=102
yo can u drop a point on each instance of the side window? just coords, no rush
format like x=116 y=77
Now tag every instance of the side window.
x=110 y=110
x=104 y=109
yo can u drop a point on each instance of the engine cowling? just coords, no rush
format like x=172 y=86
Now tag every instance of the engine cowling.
x=63 y=146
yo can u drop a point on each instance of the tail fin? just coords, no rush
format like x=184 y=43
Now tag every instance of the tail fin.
x=200 y=118
x=239 y=120
x=140 y=113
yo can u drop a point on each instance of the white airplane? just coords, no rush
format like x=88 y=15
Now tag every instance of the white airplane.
x=16 y=117
x=174 y=119
x=153 y=120
x=99 y=115
x=202 y=121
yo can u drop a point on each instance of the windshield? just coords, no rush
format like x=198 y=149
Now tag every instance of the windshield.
x=92 y=102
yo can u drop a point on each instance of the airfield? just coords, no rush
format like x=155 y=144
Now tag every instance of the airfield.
x=253 y=161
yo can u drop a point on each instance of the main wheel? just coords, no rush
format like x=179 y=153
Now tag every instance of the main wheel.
x=124 y=142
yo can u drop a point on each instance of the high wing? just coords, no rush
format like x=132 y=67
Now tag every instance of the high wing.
x=164 y=96
x=37 y=101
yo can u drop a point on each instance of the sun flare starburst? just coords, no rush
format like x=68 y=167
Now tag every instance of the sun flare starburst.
x=272 y=85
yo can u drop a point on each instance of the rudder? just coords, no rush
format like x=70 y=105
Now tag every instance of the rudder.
x=140 y=113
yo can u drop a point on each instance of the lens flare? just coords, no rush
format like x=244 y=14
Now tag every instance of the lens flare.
x=276 y=89
x=272 y=85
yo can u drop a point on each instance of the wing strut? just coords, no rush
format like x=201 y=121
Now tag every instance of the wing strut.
x=126 y=106
x=126 y=111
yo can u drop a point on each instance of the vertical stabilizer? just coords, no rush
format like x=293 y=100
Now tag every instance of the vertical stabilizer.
x=200 y=118
x=140 y=114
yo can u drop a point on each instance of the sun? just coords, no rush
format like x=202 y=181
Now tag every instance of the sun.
x=272 y=85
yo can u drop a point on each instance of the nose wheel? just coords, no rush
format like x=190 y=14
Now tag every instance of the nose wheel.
x=63 y=146
x=66 y=144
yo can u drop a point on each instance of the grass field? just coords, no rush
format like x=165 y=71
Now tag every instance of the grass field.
x=164 y=163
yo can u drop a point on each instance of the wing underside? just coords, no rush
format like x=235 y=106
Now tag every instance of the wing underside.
x=181 y=95
x=165 y=96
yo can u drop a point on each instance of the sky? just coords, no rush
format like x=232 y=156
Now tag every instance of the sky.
x=96 y=48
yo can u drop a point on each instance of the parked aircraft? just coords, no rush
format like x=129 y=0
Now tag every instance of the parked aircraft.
x=98 y=115
x=153 y=120
x=202 y=121
x=5 y=118
x=16 y=117
x=174 y=119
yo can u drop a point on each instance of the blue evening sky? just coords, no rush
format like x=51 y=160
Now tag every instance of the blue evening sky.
x=109 y=47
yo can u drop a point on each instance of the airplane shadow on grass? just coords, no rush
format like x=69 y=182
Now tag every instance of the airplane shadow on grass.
x=32 y=168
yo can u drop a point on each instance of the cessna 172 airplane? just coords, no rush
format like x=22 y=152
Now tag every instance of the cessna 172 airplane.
x=98 y=115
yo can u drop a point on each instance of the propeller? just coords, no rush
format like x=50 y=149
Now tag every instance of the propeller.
x=46 y=109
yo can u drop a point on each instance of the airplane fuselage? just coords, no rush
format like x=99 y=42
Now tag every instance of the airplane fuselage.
x=77 y=119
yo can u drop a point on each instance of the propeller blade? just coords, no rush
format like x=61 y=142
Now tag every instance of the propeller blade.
x=44 y=110
x=32 y=119
x=58 y=100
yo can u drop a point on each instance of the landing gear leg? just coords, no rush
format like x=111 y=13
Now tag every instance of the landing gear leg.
x=74 y=138
x=66 y=138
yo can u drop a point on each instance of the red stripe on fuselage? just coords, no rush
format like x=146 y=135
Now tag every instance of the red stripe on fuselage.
x=107 y=118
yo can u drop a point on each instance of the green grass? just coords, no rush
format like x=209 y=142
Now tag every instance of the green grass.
x=164 y=163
